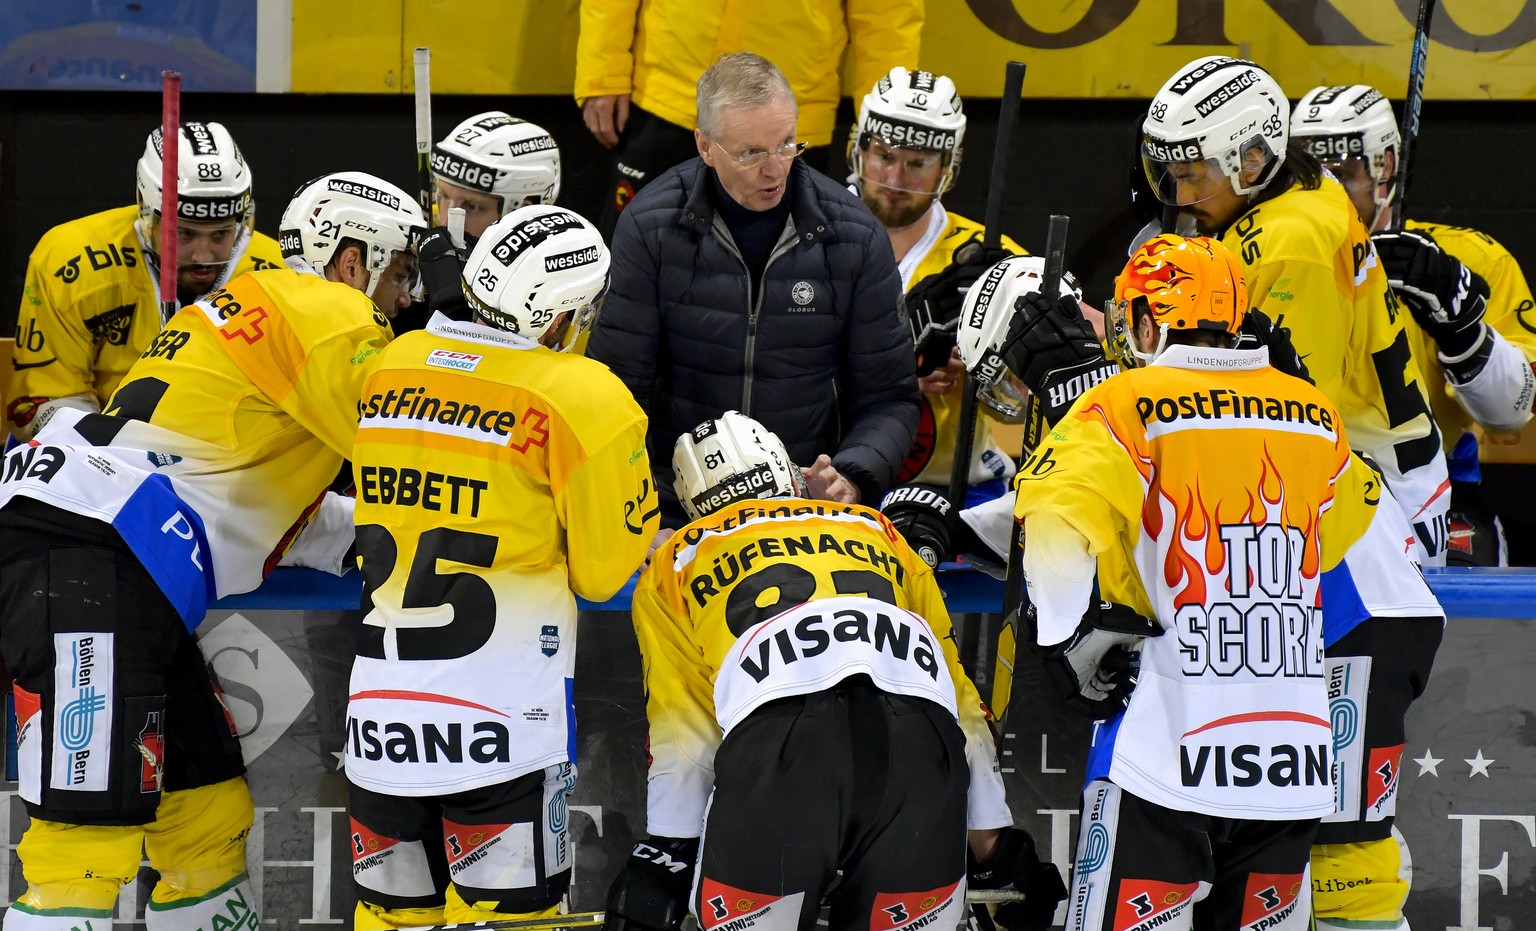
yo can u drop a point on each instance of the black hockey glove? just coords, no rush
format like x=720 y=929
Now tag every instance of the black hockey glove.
x=1015 y=864
x=933 y=304
x=1095 y=669
x=921 y=514
x=651 y=892
x=1258 y=330
x=1054 y=351
x=442 y=274
x=1443 y=295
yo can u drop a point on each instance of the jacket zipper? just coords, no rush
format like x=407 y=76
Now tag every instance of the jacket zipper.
x=754 y=299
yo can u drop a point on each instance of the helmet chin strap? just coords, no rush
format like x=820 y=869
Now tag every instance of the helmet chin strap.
x=1147 y=358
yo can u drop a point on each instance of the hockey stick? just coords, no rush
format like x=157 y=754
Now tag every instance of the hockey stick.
x=170 y=178
x=594 y=919
x=992 y=235
x=552 y=923
x=1015 y=595
x=424 y=128
x=1411 y=103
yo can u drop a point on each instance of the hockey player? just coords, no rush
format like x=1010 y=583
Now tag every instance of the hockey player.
x=905 y=154
x=809 y=719
x=488 y=166
x=1381 y=649
x=1216 y=145
x=116 y=530
x=485 y=447
x=1206 y=781
x=1381 y=623
x=91 y=302
x=1465 y=292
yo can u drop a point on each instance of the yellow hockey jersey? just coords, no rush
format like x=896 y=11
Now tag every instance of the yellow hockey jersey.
x=932 y=456
x=89 y=307
x=1310 y=266
x=237 y=417
x=1511 y=313
x=495 y=477
x=729 y=574
x=1227 y=560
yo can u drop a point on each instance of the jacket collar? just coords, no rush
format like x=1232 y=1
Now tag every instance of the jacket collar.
x=810 y=219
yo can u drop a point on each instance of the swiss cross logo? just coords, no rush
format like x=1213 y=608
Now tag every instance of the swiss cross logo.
x=536 y=432
x=246 y=325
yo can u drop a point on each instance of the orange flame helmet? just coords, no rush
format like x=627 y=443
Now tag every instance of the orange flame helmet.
x=1187 y=284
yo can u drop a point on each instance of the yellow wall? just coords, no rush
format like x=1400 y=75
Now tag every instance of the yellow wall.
x=1484 y=49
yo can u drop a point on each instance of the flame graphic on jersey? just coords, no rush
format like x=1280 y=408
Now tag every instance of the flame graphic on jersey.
x=1199 y=501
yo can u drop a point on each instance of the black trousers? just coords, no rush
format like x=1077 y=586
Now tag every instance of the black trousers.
x=852 y=781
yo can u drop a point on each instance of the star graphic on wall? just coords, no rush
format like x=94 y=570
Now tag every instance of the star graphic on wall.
x=1479 y=765
x=1428 y=763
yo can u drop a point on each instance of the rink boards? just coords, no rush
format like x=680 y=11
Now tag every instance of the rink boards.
x=1467 y=795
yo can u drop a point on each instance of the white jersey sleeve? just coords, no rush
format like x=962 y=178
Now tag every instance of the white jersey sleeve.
x=1499 y=396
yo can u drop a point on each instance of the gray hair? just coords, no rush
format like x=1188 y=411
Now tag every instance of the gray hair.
x=738 y=79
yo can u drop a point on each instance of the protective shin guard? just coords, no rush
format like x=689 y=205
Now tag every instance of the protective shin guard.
x=231 y=906
x=1358 y=886
x=368 y=917
x=20 y=917
x=464 y=912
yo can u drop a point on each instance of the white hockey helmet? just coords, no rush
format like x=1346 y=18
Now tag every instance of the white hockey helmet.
x=350 y=205
x=212 y=180
x=985 y=319
x=539 y=271
x=500 y=155
x=911 y=110
x=731 y=459
x=1218 y=109
x=1351 y=122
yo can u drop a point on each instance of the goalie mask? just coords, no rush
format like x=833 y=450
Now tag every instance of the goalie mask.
x=497 y=154
x=1214 y=119
x=732 y=459
x=1351 y=130
x=1183 y=284
x=985 y=319
x=540 y=272
x=910 y=125
x=213 y=190
x=350 y=206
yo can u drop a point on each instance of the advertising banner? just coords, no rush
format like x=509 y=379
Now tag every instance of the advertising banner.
x=1481 y=49
x=1467 y=792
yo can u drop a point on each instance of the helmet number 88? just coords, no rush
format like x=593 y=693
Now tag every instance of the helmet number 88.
x=209 y=171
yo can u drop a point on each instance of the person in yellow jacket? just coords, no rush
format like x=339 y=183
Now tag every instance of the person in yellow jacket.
x=498 y=478
x=638 y=64
x=1465 y=291
x=1216 y=144
x=118 y=528
x=91 y=301
x=1212 y=762
x=804 y=694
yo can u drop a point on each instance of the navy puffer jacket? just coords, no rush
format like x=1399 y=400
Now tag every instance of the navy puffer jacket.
x=823 y=357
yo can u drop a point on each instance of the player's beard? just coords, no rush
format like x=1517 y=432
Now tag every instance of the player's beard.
x=898 y=213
